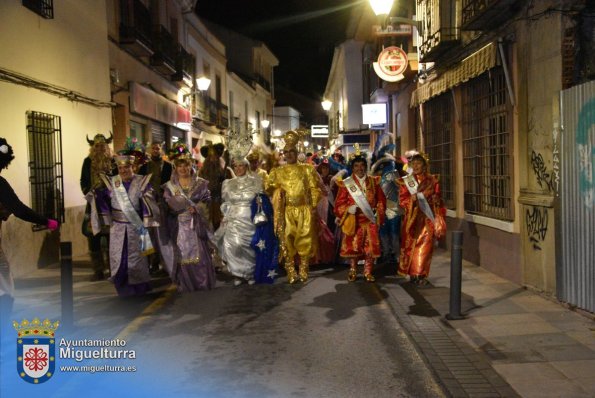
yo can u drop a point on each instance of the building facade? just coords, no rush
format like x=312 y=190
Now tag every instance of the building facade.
x=55 y=91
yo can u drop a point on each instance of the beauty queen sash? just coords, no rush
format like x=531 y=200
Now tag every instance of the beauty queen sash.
x=359 y=198
x=422 y=202
x=146 y=246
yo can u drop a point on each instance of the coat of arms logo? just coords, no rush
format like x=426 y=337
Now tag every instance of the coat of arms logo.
x=36 y=359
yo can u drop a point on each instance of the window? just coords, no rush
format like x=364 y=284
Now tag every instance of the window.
x=45 y=165
x=439 y=133
x=43 y=8
x=487 y=160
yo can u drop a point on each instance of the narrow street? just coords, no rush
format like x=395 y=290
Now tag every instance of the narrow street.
x=326 y=338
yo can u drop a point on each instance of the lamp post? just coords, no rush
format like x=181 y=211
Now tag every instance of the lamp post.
x=381 y=7
x=327 y=105
x=264 y=124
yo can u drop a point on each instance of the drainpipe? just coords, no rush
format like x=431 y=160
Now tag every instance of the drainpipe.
x=506 y=72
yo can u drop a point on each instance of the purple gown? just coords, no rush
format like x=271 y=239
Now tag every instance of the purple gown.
x=184 y=243
x=129 y=268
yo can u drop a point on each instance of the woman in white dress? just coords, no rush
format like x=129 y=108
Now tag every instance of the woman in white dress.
x=235 y=234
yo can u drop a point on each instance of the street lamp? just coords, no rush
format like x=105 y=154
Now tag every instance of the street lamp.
x=326 y=105
x=381 y=7
x=203 y=83
x=265 y=123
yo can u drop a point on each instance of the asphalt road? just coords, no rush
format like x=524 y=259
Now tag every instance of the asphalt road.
x=327 y=338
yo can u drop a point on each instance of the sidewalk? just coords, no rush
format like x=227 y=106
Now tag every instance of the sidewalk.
x=535 y=345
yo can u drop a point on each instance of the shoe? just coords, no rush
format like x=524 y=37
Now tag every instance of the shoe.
x=237 y=282
x=422 y=282
x=352 y=275
x=370 y=278
x=97 y=276
x=251 y=281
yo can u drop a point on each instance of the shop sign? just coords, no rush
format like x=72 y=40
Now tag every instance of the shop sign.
x=392 y=62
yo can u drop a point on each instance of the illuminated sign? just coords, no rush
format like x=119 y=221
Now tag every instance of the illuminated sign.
x=374 y=113
x=392 y=62
x=319 y=130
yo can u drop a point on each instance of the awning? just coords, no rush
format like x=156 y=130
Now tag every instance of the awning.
x=472 y=66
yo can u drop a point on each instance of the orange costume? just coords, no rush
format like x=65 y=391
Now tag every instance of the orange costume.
x=365 y=242
x=417 y=230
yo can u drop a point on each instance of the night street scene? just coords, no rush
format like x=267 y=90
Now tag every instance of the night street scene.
x=299 y=198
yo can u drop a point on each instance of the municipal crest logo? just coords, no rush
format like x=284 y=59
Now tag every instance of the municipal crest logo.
x=36 y=359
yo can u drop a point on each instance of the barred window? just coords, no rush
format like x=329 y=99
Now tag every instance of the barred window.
x=487 y=146
x=439 y=135
x=45 y=165
x=43 y=8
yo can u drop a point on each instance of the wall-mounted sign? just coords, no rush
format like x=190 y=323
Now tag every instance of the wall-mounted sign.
x=392 y=62
x=374 y=113
x=319 y=130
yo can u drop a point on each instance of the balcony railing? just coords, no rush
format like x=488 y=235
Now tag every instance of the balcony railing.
x=135 y=28
x=440 y=29
x=222 y=116
x=487 y=14
x=185 y=66
x=166 y=49
x=209 y=111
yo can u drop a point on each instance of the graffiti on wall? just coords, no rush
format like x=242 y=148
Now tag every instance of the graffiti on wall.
x=537 y=223
x=544 y=178
x=586 y=154
x=556 y=160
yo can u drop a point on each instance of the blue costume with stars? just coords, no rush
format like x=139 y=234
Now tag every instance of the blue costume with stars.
x=264 y=243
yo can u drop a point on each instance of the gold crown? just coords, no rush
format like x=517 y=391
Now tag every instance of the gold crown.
x=291 y=138
x=35 y=327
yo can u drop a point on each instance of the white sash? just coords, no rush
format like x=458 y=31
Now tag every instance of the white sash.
x=412 y=185
x=179 y=191
x=359 y=198
x=146 y=246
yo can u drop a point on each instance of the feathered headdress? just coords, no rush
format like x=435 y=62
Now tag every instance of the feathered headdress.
x=132 y=153
x=178 y=152
x=357 y=156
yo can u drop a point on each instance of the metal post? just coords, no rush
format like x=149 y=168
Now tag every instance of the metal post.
x=456 y=271
x=66 y=284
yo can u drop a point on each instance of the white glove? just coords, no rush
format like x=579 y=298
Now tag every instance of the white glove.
x=390 y=214
x=352 y=209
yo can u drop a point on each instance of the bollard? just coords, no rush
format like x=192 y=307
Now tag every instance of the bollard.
x=456 y=272
x=66 y=284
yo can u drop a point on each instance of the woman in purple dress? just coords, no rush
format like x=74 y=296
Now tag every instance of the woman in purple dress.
x=186 y=251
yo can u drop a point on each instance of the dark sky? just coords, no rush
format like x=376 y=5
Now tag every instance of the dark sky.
x=301 y=33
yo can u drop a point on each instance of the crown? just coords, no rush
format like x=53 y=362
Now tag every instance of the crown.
x=291 y=138
x=35 y=327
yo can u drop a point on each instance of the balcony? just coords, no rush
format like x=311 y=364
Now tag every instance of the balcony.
x=264 y=83
x=222 y=116
x=487 y=14
x=185 y=66
x=166 y=49
x=135 y=28
x=440 y=31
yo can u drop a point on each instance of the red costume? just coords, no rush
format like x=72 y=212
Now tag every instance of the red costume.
x=365 y=243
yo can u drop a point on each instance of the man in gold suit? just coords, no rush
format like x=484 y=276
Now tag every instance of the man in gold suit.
x=255 y=169
x=295 y=193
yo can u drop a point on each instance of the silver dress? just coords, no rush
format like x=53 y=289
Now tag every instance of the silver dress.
x=235 y=233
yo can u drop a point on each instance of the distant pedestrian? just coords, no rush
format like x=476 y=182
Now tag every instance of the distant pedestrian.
x=10 y=204
x=422 y=222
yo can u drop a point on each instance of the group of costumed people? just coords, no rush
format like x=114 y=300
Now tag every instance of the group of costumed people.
x=147 y=211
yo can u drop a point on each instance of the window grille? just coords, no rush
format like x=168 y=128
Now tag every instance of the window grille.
x=45 y=165
x=487 y=146
x=439 y=135
x=43 y=8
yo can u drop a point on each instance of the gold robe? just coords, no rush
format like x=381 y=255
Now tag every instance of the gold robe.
x=295 y=192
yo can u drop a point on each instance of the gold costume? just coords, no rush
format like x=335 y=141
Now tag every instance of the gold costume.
x=295 y=192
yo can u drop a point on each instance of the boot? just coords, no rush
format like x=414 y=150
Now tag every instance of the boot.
x=98 y=266
x=352 y=275
x=304 y=267
x=291 y=274
x=368 y=265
